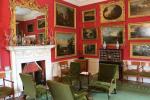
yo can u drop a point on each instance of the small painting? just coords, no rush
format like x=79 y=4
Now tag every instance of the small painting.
x=41 y=38
x=41 y=23
x=30 y=27
x=113 y=11
x=112 y=34
x=89 y=15
x=65 y=16
x=139 y=30
x=65 y=44
x=139 y=8
x=89 y=33
x=140 y=50
x=89 y=49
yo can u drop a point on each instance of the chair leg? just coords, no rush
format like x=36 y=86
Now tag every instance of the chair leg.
x=115 y=91
x=108 y=96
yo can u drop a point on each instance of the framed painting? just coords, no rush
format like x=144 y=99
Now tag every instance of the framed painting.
x=41 y=23
x=140 y=50
x=65 y=16
x=138 y=8
x=65 y=44
x=30 y=28
x=89 y=33
x=112 y=34
x=113 y=11
x=89 y=49
x=89 y=15
x=139 y=30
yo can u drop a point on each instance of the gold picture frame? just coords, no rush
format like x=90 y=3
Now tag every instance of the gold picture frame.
x=89 y=15
x=138 y=8
x=65 y=16
x=65 y=44
x=41 y=23
x=89 y=33
x=112 y=15
x=139 y=31
x=90 y=49
x=140 y=50
x=110 y=34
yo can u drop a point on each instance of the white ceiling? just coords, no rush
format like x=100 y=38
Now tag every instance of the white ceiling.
x=83 y=2
x=24 y=14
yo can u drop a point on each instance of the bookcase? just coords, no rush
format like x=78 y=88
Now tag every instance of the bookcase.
x=112 y=56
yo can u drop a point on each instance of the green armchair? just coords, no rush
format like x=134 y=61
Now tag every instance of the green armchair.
x=105 y=79
x=60 y=91
x=74 y=74
x=31 y=89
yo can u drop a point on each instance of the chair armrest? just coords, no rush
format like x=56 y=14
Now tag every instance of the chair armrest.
x=8 y=80
x=80 y=95
x=12 y=83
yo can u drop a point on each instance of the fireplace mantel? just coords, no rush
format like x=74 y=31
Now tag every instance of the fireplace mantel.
x=25 y=54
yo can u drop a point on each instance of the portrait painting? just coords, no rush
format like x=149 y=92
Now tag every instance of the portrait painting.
x=89 y=33
x=89 y=48
x=139 y=8
x=112 y=34
x=65 y=44
x=113 y=11
x=30 y=28
x=41 y=23
x=139 y=30
x=65 y=16
x=140 y=50
x=89 y=15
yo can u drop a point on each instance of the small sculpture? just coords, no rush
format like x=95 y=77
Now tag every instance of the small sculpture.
x=104 y=45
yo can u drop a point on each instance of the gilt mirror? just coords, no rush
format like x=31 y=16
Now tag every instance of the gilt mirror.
x=28 y=21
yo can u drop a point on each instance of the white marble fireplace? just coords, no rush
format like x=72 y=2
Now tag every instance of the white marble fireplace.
x=25 y=54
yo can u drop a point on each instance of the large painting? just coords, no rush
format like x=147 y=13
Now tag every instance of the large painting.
x=89 y=15
x=138 y=8
x=65 y=44
x=112 y=34
x=140 y=50
x=139 y=30
x=65 y=16
x=41 y=23
x=89 y=49
x=113 y=11
x=89 y=33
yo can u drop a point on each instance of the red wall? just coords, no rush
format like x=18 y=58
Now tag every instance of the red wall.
x=98 y=24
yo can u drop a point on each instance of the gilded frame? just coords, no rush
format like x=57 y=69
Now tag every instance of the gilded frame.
x=31 y=4
x=92 y=31
x=41 y=23
x=62 y=38
x=139 y=31
x=117 y=14
x=56 y=19
x=110 y=28
x=88 y=11
x=140 y=50
x=90 y=49
x=141 y=6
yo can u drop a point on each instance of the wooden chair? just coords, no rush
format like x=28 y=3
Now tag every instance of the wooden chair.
x=6 y=90
x=145 y=70
x=64 y=67
x=131 y=69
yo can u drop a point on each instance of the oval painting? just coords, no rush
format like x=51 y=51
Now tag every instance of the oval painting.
x=112 y=12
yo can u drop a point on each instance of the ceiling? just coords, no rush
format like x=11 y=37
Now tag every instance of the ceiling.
x=83 y=2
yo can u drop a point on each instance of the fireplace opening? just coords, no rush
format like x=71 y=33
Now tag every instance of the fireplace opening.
x=37 y=70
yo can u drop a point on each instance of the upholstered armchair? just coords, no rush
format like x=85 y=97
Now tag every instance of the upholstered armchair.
x=60 y=91
x=74 y=74
x=4 y=89
x=32 y=90
x=105 y=79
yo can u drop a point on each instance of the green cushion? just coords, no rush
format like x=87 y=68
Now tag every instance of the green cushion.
x=40 y=90
x=145 y=74
x=130 y=72
x=5 y=91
